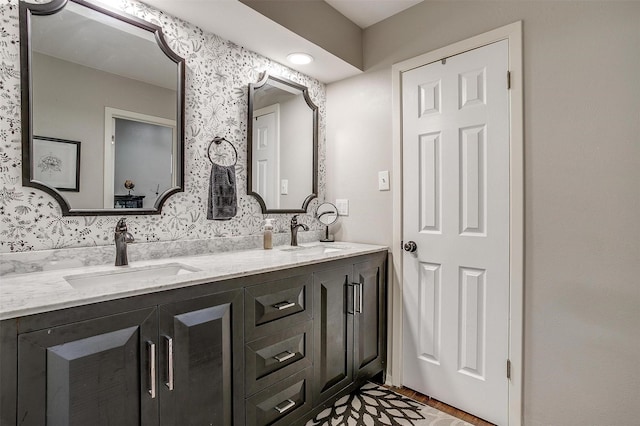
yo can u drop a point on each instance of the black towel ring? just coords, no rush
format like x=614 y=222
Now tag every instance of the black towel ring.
x=218 y=140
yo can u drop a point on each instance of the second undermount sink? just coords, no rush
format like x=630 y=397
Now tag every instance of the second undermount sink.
x=128 y=275
x=316 y=249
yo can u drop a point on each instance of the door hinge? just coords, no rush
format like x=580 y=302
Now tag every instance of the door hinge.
x=402 y=245
x=508 y=369
x=508 y=79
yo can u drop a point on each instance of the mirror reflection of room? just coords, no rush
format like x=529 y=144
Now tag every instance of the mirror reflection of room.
x=119 y=103
x=282 y=146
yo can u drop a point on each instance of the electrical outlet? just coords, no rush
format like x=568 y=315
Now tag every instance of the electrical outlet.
x=343 y=206
x=383 y=180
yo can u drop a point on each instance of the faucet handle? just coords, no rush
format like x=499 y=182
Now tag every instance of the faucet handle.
x=294 y=220
x=122 y=225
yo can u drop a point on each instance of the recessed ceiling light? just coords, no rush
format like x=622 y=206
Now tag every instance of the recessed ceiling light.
x=299 y=58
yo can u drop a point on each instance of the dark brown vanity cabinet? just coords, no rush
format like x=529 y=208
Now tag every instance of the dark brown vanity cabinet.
x=349 y=325
x=172 y=364
x=263 y=349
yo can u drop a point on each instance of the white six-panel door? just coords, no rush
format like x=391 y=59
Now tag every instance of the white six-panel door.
x=266 y=154
x=456 y=209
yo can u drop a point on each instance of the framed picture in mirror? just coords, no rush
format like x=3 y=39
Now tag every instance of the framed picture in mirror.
x=56 y=162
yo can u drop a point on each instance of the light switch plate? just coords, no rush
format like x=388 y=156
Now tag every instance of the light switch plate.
x=383 y=180
x=343 y=206
x=284 y=187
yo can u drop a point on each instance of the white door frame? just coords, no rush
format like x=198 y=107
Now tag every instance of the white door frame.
x=110 y=114
x=270 y=109
x=512 y=33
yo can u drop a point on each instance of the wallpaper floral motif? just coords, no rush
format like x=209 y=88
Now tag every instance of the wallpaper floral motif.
x=218 y=72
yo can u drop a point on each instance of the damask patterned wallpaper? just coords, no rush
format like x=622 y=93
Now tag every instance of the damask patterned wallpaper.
x=218 y=73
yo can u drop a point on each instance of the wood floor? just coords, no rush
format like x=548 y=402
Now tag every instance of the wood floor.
x=416 y=396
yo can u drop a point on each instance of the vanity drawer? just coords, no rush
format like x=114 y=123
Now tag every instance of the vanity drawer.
x=276 y=305
x=277 y=356
x=281 y=403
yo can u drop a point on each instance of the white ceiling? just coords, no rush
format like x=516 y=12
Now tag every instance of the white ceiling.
x=246 y=27
x=365 y=13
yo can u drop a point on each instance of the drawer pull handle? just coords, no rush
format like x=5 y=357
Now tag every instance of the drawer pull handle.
x=284 y=305
x=289 y=404
x=282 y=357
x=151 y=350
x=169 y=382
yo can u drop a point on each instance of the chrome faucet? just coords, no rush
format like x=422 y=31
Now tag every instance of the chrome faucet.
x=294 y=229
x=122 y=236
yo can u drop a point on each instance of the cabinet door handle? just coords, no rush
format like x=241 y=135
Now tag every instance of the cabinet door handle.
x=288 y=404
x=151 y=349
x=169 y=382
x=357 y=306
x=284 y=305
x=282 y=357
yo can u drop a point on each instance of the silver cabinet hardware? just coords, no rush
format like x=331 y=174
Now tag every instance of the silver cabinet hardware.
x=354 y=297
x=169 y=382
x=151 y=348
x=357 y=298
x=284 y=305
x=288 y=404
x=282 y=357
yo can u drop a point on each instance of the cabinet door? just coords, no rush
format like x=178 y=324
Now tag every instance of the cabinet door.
x=93 y=372
x=333 y=332
x=201 y=361
x=370 y=318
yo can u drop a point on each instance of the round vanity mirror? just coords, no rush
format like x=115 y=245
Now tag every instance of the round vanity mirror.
x=327 y=214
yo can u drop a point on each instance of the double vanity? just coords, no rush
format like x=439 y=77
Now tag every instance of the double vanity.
x=245 y=337
x=252 y=337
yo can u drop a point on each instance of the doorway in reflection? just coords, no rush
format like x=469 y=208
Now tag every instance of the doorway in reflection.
x=142 y=156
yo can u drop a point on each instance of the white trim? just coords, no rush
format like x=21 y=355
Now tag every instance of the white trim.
x=512 y=33
x=110 y=114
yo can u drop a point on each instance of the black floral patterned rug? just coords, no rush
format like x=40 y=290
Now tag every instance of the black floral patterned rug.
x=374 y=405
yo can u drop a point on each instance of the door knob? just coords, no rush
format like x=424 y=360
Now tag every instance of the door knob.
x=410 y=246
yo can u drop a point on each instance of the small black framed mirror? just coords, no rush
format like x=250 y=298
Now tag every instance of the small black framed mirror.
x=102 y=109
x=282 y=145
x=327 y=214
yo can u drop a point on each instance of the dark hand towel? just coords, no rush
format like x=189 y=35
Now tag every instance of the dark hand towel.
x=222 y=204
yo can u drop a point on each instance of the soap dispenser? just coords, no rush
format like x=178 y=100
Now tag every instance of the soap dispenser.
x=268 y=234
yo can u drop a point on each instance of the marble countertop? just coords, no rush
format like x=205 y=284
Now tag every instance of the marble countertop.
x=37 y=292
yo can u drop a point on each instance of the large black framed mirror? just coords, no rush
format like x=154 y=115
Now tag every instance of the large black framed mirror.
x=282 y=145
x=102 y=109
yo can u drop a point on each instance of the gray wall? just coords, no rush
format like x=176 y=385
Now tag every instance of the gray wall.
x=68 y=103
x=582 y=193
x=296 y=151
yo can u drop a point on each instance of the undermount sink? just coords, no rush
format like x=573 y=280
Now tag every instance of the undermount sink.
x=128 y=275
x=316 y=249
